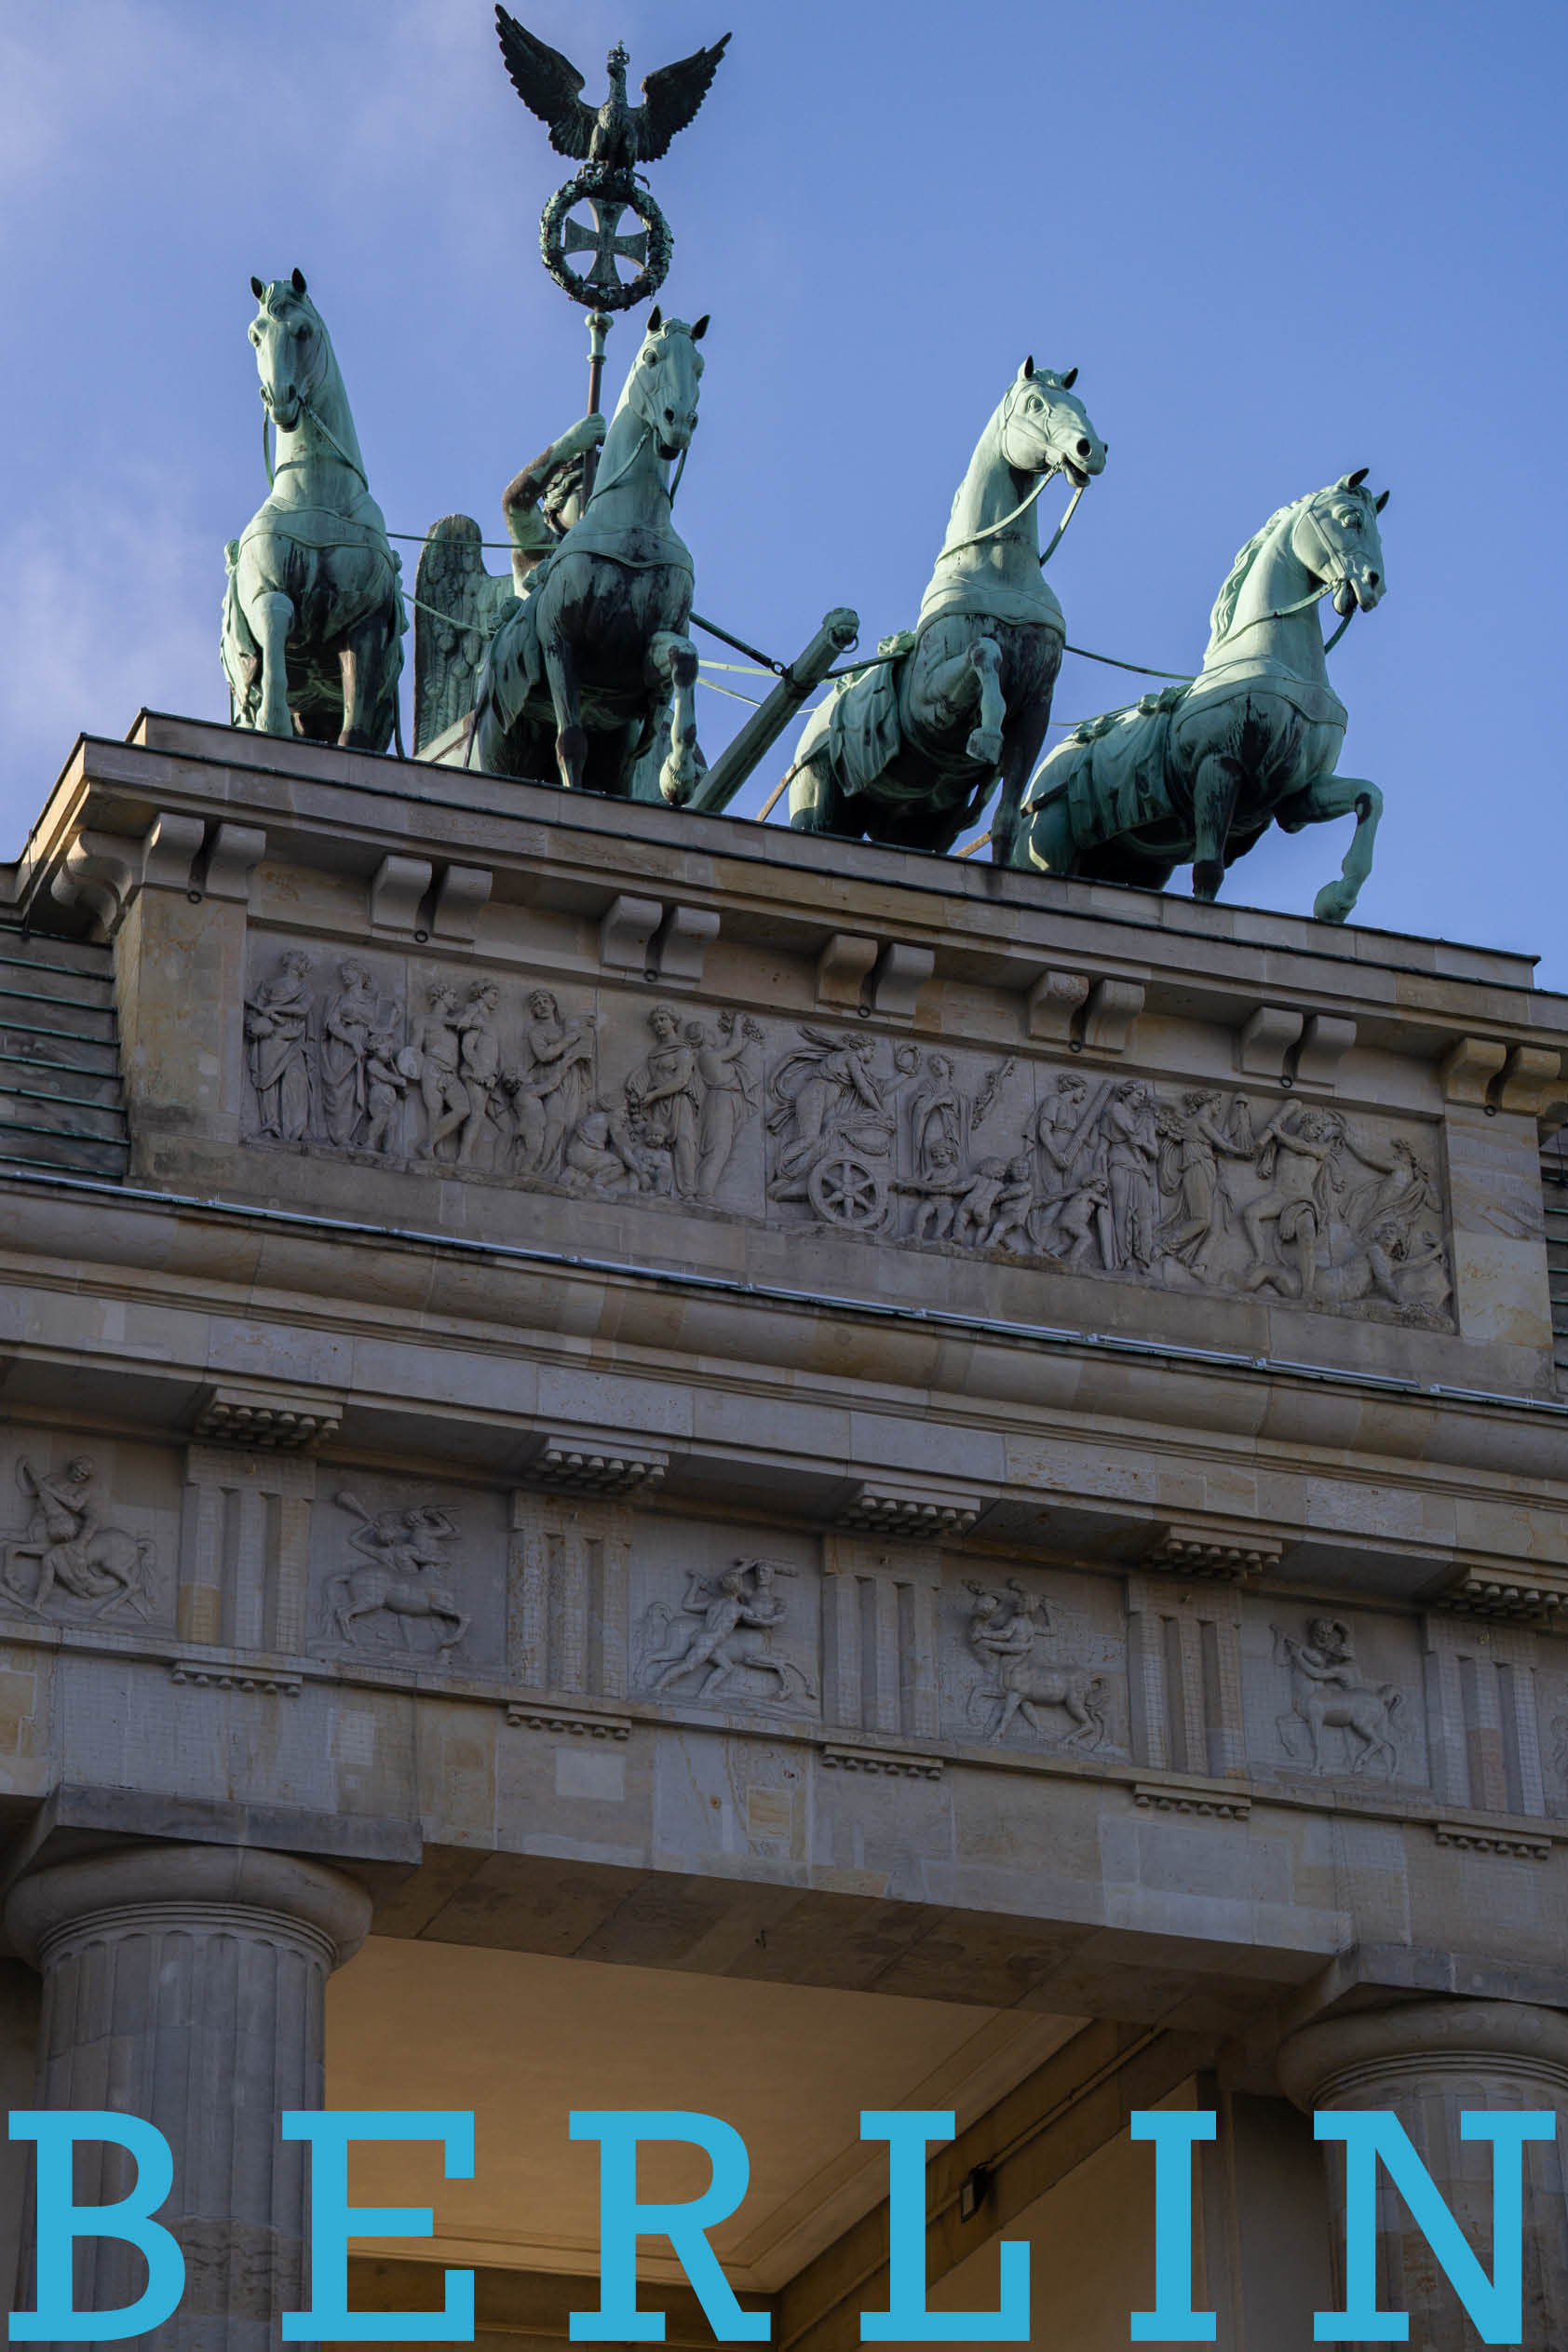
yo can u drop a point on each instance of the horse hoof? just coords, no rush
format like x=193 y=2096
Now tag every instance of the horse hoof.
x=571 y=752
x=1208 y=874
x=1333 y=902
x=985 y=745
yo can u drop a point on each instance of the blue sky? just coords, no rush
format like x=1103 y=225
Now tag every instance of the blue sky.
x=1278 y=243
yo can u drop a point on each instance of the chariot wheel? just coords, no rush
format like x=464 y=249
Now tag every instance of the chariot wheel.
x=845 y=1190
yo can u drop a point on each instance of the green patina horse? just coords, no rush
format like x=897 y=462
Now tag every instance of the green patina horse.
x=909 y=750
x=1201 y=771
x=582 y=669
x=313 y=619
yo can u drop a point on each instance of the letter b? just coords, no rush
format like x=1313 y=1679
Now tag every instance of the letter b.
x=62 y=2222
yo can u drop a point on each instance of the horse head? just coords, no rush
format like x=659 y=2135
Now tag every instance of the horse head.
x=1045 y=427
x=1336 y=538
x=662 y=387
x=293 y=354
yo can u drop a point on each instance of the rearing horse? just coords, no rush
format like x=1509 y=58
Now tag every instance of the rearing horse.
x=580 y=671
x=314 y=619
x=909 y=750
x=1201 y=771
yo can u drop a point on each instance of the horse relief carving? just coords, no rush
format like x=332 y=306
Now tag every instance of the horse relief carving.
x=397 y=1580
x=1329 y=1695
x=79 y=1563
x=1012 y=1637
x=731 y=1644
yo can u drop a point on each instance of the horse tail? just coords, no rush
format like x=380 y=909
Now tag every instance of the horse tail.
x=1094 y=1704
x=808 y=1687
x=1392 y=1699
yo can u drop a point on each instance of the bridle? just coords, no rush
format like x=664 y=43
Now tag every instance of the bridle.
x=1334 y=574
x=308 y=407
x=995 y=530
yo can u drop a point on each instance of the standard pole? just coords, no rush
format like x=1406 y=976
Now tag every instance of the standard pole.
x=599 y=327
x=763 y=729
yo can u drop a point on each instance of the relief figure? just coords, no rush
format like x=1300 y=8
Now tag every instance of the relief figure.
x=1004 y=1631
x=347 y=1025
x=400 y=1549
x=1329 y=1695
x=738 y=1612
x=278 y=1050
x=74 y=1545
x=557 y=1088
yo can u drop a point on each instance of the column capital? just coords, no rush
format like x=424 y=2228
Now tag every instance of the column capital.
x=1349 y=2058
x=45 y=1909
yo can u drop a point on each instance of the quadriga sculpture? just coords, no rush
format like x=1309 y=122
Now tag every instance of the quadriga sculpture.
x=581 y=670
x=909 y=750
x=1200 y=771
x=314 y=619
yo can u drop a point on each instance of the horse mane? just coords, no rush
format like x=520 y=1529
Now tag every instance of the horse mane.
x=1223 y=613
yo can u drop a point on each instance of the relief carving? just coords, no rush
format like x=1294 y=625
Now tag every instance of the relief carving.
x=1110 y=1177
x=400 y=1549
x=1197 y=1189
x=79 y=1555
x=1327 y=1693
x=553 y=1092
x=1008 y=1633
x=278 y=1049
x=738 y=1613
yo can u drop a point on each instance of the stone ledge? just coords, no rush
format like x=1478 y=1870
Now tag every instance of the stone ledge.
x=231 y=1677
x=885 y=1506
x=1538 y=1597
x=1192 y=1796
x=1226 y=1557
x=266 y=1419
x=524 y=1717
x=1526 y=1844
x=578 y=1462
x=883 y=1760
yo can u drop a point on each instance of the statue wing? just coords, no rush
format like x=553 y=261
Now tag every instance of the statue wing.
x=549 y=85
x=670 y=98
x=458 y=607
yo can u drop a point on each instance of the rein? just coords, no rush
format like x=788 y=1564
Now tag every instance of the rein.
x=293 y=463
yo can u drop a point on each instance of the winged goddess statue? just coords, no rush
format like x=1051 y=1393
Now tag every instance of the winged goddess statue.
x=614 y=138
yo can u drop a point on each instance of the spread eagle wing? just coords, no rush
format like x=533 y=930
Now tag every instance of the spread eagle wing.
x=670 y=98
x=549 y=83
x=458 y=608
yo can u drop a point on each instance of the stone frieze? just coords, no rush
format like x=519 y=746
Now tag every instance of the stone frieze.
x=1196 y=1189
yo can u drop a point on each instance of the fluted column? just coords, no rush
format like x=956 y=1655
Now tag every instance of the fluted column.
x=1430 y=2062
x=186 y=1985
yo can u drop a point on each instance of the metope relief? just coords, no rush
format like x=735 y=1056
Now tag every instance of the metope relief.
x=408 y=1574
x=727 y=1631
x=1200 y=1189
x=1032 y=1671
x=1339 y=1720
x=71 y=1559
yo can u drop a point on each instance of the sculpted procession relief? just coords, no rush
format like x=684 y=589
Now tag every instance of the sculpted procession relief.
x=1196 y=1188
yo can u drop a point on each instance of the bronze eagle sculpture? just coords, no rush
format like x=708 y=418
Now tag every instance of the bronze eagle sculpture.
x=614 y=138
